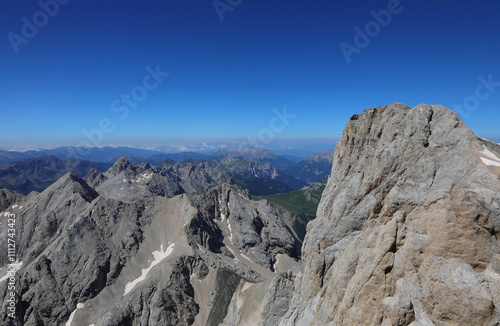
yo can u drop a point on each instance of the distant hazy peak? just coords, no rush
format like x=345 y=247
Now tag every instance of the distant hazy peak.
x=246 y=152
x=321 y=156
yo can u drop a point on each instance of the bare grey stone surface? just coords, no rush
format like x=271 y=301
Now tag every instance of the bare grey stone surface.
x=407 y=228
x=83 y=253
x=406 y=234
x=9 y=198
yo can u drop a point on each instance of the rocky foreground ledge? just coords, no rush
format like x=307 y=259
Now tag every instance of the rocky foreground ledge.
x=407 y=233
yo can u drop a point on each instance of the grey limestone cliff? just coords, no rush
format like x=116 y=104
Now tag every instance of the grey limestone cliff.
x=406 y=233
x=407 y=228
x=86 y=257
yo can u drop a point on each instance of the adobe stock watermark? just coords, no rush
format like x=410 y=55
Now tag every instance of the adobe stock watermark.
x=31 y=27
x=372 y=29
x=13 y=266
x=277 y=124
x=223 y=6
x=122 y=106
x=483 y=91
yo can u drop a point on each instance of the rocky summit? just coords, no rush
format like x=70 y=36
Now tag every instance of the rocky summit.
x=407 y=228
x=406 y=233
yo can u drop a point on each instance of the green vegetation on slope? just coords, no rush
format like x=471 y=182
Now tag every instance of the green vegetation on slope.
x=262 y=187
x=302 y=205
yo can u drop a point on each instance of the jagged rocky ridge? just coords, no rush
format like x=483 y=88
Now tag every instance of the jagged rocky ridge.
x=407 y=229
x=86 y=258
x=251 y=168
x=406 y=234
x=128 y=181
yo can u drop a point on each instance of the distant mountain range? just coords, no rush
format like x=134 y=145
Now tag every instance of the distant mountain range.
x=404 y=231
x=109 y=154
x=260 y=171
x=260 y=178
x=247 y=153
x=96 y=154
x=315 y=167
x=158 y=159
x=36 y=174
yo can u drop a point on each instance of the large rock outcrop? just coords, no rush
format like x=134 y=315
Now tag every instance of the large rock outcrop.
x=407 y=231
x=88 y=259
x=406 y=234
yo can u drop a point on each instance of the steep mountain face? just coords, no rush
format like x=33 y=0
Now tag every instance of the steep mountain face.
x=407 y=227
x=9 y=198
x=406 y=233
x=315 y=167
x=38 y=173
x=89 y=258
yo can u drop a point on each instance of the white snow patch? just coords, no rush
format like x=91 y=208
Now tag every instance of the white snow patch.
x=20 y=207
x=6 y=213
x=230 y=232
x=192 y=276
x=70 y=320
x=490 y=162
x=222 y=215
x=277 y=261
x=16 y=267
x=486 y=152
x=14 y=206
x=159 y=256
x=125 y=180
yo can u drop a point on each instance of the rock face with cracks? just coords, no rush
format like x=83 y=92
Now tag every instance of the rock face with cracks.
x=407 y=230
x=407 y=233
x=86 y=258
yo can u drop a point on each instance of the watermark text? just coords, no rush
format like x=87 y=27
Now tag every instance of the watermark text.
x=31 y=27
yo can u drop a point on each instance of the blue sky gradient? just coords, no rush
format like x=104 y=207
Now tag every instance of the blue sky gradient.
x=226 y=76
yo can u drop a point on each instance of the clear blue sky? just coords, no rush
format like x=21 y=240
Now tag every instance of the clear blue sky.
x=226 y=77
